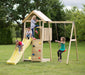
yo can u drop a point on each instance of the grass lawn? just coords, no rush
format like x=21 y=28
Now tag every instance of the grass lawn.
x=49 y=68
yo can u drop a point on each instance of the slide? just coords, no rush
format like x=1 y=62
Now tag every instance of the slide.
x=16 y=56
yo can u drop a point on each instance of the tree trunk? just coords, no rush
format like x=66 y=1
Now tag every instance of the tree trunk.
x=22 y=31
x=53 y=33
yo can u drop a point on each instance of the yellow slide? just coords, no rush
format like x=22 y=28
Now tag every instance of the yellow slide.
x=16 y=56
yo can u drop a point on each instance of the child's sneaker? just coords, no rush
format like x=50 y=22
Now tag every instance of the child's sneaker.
x=34 y=38
x=28 y=37
x=58 y=59
x=36 y=31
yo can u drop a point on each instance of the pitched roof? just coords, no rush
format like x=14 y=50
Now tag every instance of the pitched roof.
x=38 y=14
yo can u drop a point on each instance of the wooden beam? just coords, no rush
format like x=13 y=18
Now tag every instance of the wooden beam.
x=60 y=21
x=30 y=20
x=24 y=29
x=27 y=17
x=75 y=41
x=53 y=21
x=70 y=44
x=50 y=43
x=40 y=29
x=24 y=37
x=42 y=37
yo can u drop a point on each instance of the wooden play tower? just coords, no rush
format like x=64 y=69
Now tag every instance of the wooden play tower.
x=46 y=35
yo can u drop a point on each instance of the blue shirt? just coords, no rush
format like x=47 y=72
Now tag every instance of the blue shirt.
x=62 y=47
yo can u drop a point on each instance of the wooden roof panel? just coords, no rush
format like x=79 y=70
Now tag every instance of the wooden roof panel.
x=38 y=14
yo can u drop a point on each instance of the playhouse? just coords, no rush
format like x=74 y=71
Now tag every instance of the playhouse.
x=45 y=35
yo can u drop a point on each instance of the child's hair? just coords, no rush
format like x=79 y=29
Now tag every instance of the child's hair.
x=17 y=40
x=33 y=16
x=63 y=39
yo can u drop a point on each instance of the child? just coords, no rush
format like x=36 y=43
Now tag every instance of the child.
x=61 y=50
x=33 y=21
x=28 y=33
x=20 y=45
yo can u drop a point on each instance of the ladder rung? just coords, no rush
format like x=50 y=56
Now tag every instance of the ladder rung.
x=73 y=39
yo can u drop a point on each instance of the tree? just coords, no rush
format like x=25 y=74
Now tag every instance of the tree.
x=51 y=8
x=78 y=17
x=18 y=13
x=5 y=32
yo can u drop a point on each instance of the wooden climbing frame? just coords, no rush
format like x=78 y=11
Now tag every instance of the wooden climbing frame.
x=46 y=34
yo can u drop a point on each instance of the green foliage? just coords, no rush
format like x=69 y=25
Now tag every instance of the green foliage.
x=5 y=26
x=5 y=33
x=16 y=10
x=51 y=8
x=79 y=18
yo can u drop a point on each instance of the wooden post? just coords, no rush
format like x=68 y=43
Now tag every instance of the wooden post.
x=24 y=37
x=73 y=28
x=70 y=44
x=75 y=42
x=24 y=29
x=42 y=37
x=50 y=43
x=40 y=29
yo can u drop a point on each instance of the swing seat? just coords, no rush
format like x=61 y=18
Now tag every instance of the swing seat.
x=65 y=50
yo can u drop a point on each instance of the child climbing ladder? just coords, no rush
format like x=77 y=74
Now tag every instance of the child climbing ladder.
x=33 y=21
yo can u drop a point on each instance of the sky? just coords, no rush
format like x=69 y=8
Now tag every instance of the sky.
x=70 y=3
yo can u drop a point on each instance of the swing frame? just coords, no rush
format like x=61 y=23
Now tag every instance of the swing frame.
x=73 y=29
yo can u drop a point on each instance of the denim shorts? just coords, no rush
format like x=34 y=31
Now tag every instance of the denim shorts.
x=28 y=36
x=19 y=48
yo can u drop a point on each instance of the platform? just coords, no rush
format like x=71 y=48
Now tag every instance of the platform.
x=43 y=60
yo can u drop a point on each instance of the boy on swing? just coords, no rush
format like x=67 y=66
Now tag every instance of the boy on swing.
x=62 y=49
